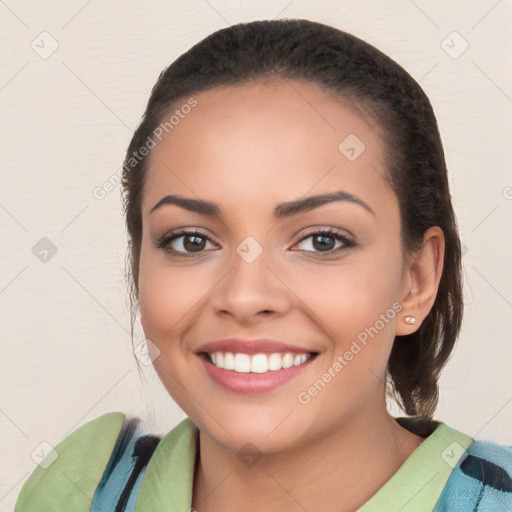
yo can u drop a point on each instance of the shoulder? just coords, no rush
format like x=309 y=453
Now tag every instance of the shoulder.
x=67 y=477
x=481 y=481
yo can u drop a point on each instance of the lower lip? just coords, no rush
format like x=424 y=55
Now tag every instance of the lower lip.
x=253 y=383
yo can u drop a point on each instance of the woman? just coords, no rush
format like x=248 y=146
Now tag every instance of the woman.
x=295 y=259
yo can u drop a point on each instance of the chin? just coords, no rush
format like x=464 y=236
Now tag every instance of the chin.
x=239 y=431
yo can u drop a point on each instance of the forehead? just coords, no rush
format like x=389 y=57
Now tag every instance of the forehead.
x=275 y=140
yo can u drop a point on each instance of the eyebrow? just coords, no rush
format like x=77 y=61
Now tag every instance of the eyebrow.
x=281 y=210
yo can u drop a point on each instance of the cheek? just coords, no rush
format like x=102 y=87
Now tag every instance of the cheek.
x=357 y=307
x=156 y=294
x=167 y=300
x=170 y=295
x=164 y=299
x=349 y=297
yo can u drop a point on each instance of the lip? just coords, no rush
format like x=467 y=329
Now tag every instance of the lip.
x=253 y=383
x=256 y=346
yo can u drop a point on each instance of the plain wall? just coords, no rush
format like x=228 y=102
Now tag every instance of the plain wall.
x=67 y=119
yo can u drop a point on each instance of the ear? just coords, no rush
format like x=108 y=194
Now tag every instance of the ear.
x=422 y=274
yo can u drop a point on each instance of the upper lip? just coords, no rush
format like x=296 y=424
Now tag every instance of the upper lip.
x=257 y=346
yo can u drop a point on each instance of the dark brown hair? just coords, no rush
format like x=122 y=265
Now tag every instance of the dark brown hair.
x=357 y=72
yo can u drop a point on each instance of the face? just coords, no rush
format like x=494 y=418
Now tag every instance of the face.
x=250 y=274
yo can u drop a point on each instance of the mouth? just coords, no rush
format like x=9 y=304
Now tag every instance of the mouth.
x=256 y=373
x=256 y=363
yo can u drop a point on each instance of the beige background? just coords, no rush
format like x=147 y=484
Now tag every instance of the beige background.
x=67 y=119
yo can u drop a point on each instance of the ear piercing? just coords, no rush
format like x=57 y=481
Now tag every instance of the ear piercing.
x=410 y=319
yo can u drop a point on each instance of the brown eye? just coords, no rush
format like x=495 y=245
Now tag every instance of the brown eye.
x=193 y=243
x=184 y=243
x=324 y=241
x=321 y=242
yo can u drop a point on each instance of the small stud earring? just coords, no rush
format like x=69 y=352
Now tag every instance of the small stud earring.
x=409 y=319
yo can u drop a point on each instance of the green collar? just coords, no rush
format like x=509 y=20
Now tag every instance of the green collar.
x=169 y=477
x=420 y=480
x=416 y=486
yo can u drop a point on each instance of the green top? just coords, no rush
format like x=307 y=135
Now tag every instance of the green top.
x=68 y=484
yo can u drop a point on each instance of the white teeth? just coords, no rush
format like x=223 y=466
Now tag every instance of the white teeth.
x=274 y=362
x=287 y=360
x=258 y=363
x=229 y=361
x=242 y=363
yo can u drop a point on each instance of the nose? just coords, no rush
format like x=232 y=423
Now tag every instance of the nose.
x=253 y=287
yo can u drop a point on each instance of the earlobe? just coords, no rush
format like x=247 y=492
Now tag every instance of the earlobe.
x=410 y=319
x=424 y=272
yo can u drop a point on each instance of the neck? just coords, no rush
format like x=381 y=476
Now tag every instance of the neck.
x=338 y=471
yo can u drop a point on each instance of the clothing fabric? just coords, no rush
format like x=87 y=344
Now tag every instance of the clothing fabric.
x=108 y=465
x=122 y=478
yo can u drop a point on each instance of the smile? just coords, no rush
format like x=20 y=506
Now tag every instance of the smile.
x=254 y=373
x=256 y=363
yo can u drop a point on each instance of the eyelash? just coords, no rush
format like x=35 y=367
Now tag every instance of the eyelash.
x=165 y=240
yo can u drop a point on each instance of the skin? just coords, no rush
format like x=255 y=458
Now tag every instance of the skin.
x=248 y=148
